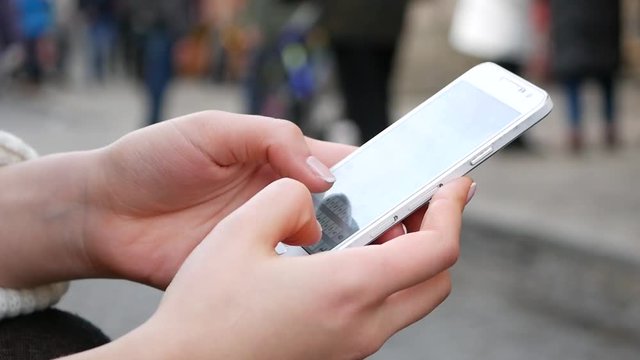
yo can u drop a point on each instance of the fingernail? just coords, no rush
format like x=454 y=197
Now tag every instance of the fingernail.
x=320 y=169
x=472 y=192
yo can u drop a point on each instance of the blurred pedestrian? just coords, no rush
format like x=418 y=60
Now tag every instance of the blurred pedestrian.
x=282 y=79
x=65 y=12
x=229 y=35
x=8 y=26
x=268 y=18
x=158 y=24
x=10 y=49
x=365 y=36
x=585 y=38
x=36 y=23
x=100 y=17
x=500 y=31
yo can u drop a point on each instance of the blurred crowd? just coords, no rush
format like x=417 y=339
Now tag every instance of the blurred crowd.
x=143 y=39
x=572 y=41
x=285 y=51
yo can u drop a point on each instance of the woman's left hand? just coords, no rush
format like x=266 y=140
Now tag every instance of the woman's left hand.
x=156 y=193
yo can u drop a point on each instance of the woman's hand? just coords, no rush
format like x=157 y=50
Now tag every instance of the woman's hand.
x=235 y=299
x=154 y=194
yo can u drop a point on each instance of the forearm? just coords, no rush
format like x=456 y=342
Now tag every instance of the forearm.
x=149 y=341
x=42 y=208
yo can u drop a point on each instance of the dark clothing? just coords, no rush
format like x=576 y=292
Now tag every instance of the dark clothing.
x=8 y=26
x=36 y=20
x=98 y=10
x=364 y=74
x=364 y=35
x=101 y=19
x=170 y=15
x=158 y=71
x=102 y=35
x=370 y=21
x=32 y=64
x=157 y=25
x=47 y=335
x=586 y=44
x=573 y=88
x=585 y=36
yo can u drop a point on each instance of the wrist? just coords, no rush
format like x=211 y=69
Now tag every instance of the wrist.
x=152 y=341
x=43 y=208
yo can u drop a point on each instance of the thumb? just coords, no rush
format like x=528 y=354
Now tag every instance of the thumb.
x=282 y=211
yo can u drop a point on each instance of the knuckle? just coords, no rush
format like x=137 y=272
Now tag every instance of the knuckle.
x=448 y=248
x=296 y=191
x=446 y=286
x=365 y=346
x=352 y=288
x=451 y=252
x=298 y=195
x=205 y=116
x=372 y=333
x=287 y=129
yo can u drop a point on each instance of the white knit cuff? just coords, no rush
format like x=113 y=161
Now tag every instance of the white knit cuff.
x=13 y=150
x=21 y=302
x=24 y=301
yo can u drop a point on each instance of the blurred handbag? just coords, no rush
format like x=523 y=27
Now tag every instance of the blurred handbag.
x=492 y=30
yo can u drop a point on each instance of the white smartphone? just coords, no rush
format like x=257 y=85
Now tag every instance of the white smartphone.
x=444 y=138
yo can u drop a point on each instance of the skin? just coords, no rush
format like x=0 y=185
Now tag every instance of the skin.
x=234 y=298
x=189 y=204
x=117 y=211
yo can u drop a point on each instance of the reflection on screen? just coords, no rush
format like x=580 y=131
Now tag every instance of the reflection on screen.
x=396 y=165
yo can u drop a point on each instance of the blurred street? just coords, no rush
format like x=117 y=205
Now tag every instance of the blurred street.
x=548 y=211
x=550 y=263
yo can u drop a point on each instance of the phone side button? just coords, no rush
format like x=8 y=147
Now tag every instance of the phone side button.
x=281 y=249
x=482 y=156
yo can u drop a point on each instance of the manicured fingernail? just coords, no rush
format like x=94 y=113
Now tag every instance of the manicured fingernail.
x=472 y=192
x=320 y=169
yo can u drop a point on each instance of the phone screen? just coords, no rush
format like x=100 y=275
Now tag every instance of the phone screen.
x=395 y=165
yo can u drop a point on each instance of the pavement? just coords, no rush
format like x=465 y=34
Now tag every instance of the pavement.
x=551 y=250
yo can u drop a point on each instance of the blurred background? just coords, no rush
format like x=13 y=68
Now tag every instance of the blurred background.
x=550 y=265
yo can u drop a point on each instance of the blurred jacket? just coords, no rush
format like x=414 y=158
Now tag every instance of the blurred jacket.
x=170 y=15
x=36 y=18
x=8 y=27
x=585 y=37
x=370 y=21
x=98 y=10
x=270 y=16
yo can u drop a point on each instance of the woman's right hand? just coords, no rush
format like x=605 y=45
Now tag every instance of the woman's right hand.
x=234 y=298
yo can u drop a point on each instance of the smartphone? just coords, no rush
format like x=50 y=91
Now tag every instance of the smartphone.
x=444 y=138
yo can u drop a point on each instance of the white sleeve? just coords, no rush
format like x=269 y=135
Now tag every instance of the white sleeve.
x=15 y=302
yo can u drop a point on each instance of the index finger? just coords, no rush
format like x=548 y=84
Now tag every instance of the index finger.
x=229 y=140
x=328 y=152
